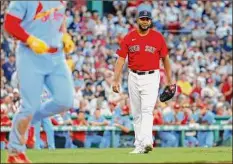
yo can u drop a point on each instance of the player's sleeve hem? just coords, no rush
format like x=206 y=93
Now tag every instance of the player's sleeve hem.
x=121 y=53
x=163 y=56
x=14 y=15
x=123 y=56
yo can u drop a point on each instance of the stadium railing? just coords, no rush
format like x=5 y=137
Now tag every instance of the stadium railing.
x=182 y=128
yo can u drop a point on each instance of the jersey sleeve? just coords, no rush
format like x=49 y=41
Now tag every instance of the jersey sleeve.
x=195 y=117
x=180 y=116
x=163 y=50
x=123 y=50
x=210 y=118
x=18 y=9
x=172 y=117
x=90 y=119
x=102 y=119
x=167 y=118
x=230 y=121
x=127 y=123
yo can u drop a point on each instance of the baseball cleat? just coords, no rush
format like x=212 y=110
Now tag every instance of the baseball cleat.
x=137 y=150
x=148 y=148
x=18 y=158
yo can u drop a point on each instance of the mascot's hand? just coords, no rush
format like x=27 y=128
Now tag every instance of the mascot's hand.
x=38 y=46
x=68 y=43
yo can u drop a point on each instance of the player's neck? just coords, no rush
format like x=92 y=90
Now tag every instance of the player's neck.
x=143 y=33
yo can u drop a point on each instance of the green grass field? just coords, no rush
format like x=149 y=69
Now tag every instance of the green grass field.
x=158 y=155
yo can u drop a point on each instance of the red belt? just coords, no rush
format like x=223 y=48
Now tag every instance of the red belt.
x=52 y=50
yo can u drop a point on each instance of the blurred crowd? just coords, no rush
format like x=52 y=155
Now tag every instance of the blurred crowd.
x=199 y=38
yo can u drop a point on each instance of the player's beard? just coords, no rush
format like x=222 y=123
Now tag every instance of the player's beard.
x=143 y=29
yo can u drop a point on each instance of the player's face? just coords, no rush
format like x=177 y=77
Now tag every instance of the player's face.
x=144 y=23
x=81 y=115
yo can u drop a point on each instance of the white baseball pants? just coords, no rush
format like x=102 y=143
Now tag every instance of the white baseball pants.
x=143 y=92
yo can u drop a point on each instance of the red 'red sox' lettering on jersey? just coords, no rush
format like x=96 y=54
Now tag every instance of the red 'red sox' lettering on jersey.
x=144 y=52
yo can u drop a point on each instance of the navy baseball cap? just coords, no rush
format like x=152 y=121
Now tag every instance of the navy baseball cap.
x=144 y=14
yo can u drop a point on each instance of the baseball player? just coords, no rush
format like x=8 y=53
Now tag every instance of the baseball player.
x=206 y=117
x=179 y=117
x=62 y=138
x=190 y=117
x=168 y=138
x=144 y=48
x=227 y=134
x=122 y=121
x=40 y=28
x=47 y=126
x=96 y=137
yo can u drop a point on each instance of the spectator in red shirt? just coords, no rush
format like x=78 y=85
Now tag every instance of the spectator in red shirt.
x=226 y=88
x=196 y=92
x=158 y=118
x=79 y=137
x=132 y=7
x=5 y=121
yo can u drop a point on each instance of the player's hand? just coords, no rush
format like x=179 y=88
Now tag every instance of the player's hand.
x=117 y=125
x=116 y=87
x=106 y=123
x=38 y=46
x=170 y=82
x=68 y=43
